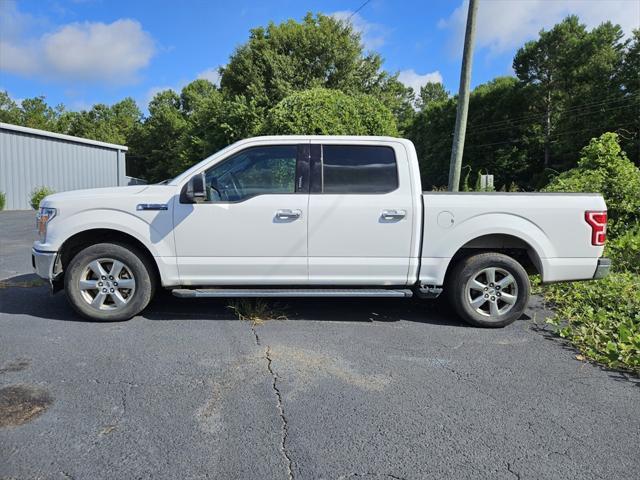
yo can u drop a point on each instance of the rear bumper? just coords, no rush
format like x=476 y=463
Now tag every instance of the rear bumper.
x=602 y=270
x=43 y=263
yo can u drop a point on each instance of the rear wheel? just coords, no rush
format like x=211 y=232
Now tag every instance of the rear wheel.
x=488 y=289
x=109 y=282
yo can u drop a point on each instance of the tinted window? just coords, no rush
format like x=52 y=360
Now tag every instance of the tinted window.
x=358 y=169
x=255 y=171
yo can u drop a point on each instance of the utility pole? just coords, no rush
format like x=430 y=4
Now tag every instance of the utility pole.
x=457 y=149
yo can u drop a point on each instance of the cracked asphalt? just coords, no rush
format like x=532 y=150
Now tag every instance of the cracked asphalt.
x=344 y=389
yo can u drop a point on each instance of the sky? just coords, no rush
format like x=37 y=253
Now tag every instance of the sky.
x=82 y=52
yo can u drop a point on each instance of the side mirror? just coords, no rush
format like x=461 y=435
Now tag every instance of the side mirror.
x=196 y=189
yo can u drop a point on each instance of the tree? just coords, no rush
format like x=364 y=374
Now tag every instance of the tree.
x=330 y=112
x=320 y=51
x=113 y=124
x=430 y=93
x=575 y=93
x=604 y=168
x=629 y=79
x=9 y=111
x=156 y=146
x=36 y=113
x=494 y=143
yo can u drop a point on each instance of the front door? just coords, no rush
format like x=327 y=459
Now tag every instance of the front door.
x=360 y=216
x=252 y=230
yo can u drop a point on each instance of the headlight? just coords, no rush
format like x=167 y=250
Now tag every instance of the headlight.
x=42 y=219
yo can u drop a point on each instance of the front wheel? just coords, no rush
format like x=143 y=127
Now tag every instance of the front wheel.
x=109 y=282
x=489 y=289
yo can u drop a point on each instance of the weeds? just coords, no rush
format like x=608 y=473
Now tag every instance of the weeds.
x=601 y=319
x=257 y=310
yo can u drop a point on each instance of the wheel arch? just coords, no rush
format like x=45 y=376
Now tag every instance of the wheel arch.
x=85 y=238
x=507 y=244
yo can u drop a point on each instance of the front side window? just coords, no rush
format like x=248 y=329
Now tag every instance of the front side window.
x=255 y=171
x=358 y=169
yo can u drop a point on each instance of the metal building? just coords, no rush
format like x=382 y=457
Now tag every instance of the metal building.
x=31 y=158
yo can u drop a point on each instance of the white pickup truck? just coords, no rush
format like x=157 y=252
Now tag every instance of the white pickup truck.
x=313 y=216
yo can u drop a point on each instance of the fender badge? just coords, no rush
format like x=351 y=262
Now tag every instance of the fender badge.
x=152 y=206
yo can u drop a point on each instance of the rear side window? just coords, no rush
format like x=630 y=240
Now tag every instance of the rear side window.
x=358 y=169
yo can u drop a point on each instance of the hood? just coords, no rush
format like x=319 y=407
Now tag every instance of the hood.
x=111 y=197
x=73 y=195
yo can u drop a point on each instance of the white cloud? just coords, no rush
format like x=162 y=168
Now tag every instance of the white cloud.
x=373 y=35
x=210 y=74
x=83 y=52
x=414 y=80
x=506 y=24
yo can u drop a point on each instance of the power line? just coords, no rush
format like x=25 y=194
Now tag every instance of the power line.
x=532 y=116
x=612 y=99
x=553 y=138
x=358 y=9
x=485 y=131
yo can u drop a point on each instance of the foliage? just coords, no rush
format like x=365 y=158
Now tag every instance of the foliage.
x=571 y=84
x=113 y=124
x=318 y=52
x=604 y=168
x=485 y=147
x=431 y=93
x=38 y=194
x=602 y=319
x=330 y=112
x=3 y=200
x=624 y=251
x=583 y=82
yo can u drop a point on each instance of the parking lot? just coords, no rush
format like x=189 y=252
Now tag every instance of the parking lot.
x=341 y=389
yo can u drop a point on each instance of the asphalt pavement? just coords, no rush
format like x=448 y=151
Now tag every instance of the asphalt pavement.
x=343 y=389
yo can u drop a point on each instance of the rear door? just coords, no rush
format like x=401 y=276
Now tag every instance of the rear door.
x=360 y=214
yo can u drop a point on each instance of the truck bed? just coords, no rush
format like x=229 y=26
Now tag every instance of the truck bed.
x=551 y=226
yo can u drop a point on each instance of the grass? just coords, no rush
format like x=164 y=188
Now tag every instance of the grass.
x=600 y=318
x=257 y=310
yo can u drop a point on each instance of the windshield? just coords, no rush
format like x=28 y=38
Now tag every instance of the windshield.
x=187 y=173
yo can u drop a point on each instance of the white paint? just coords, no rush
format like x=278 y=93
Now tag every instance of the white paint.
x=338 y=239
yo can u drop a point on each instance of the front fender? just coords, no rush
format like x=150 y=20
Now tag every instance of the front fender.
x=154 y=229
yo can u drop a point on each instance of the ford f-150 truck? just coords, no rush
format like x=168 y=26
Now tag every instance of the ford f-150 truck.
x=314 y=216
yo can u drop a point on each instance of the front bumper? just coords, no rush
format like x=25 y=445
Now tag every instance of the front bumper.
x=44 y=263
x=602 y=270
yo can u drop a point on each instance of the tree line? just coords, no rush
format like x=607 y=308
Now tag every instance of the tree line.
x=314 y=77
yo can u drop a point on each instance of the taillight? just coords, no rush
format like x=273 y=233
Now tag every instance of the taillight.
x=598 y=223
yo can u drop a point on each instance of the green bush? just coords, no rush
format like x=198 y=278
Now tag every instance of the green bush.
x=601 y=319
x=3 y=200
x=37 y=194
x=604 y=168
x=321 y=111
x=624 y=251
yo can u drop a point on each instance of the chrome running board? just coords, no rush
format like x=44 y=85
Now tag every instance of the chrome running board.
x=290 y=292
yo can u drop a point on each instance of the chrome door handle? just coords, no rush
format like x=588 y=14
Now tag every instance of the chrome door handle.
x=393 y=214
x=288 y=214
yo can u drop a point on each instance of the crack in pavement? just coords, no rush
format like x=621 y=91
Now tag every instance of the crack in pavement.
x=512 y=472
x=280 y=407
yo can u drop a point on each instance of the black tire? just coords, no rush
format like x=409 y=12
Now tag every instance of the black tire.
x=124 y=303
x=479 y=301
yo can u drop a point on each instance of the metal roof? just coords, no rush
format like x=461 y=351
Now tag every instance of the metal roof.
x=60 y=136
